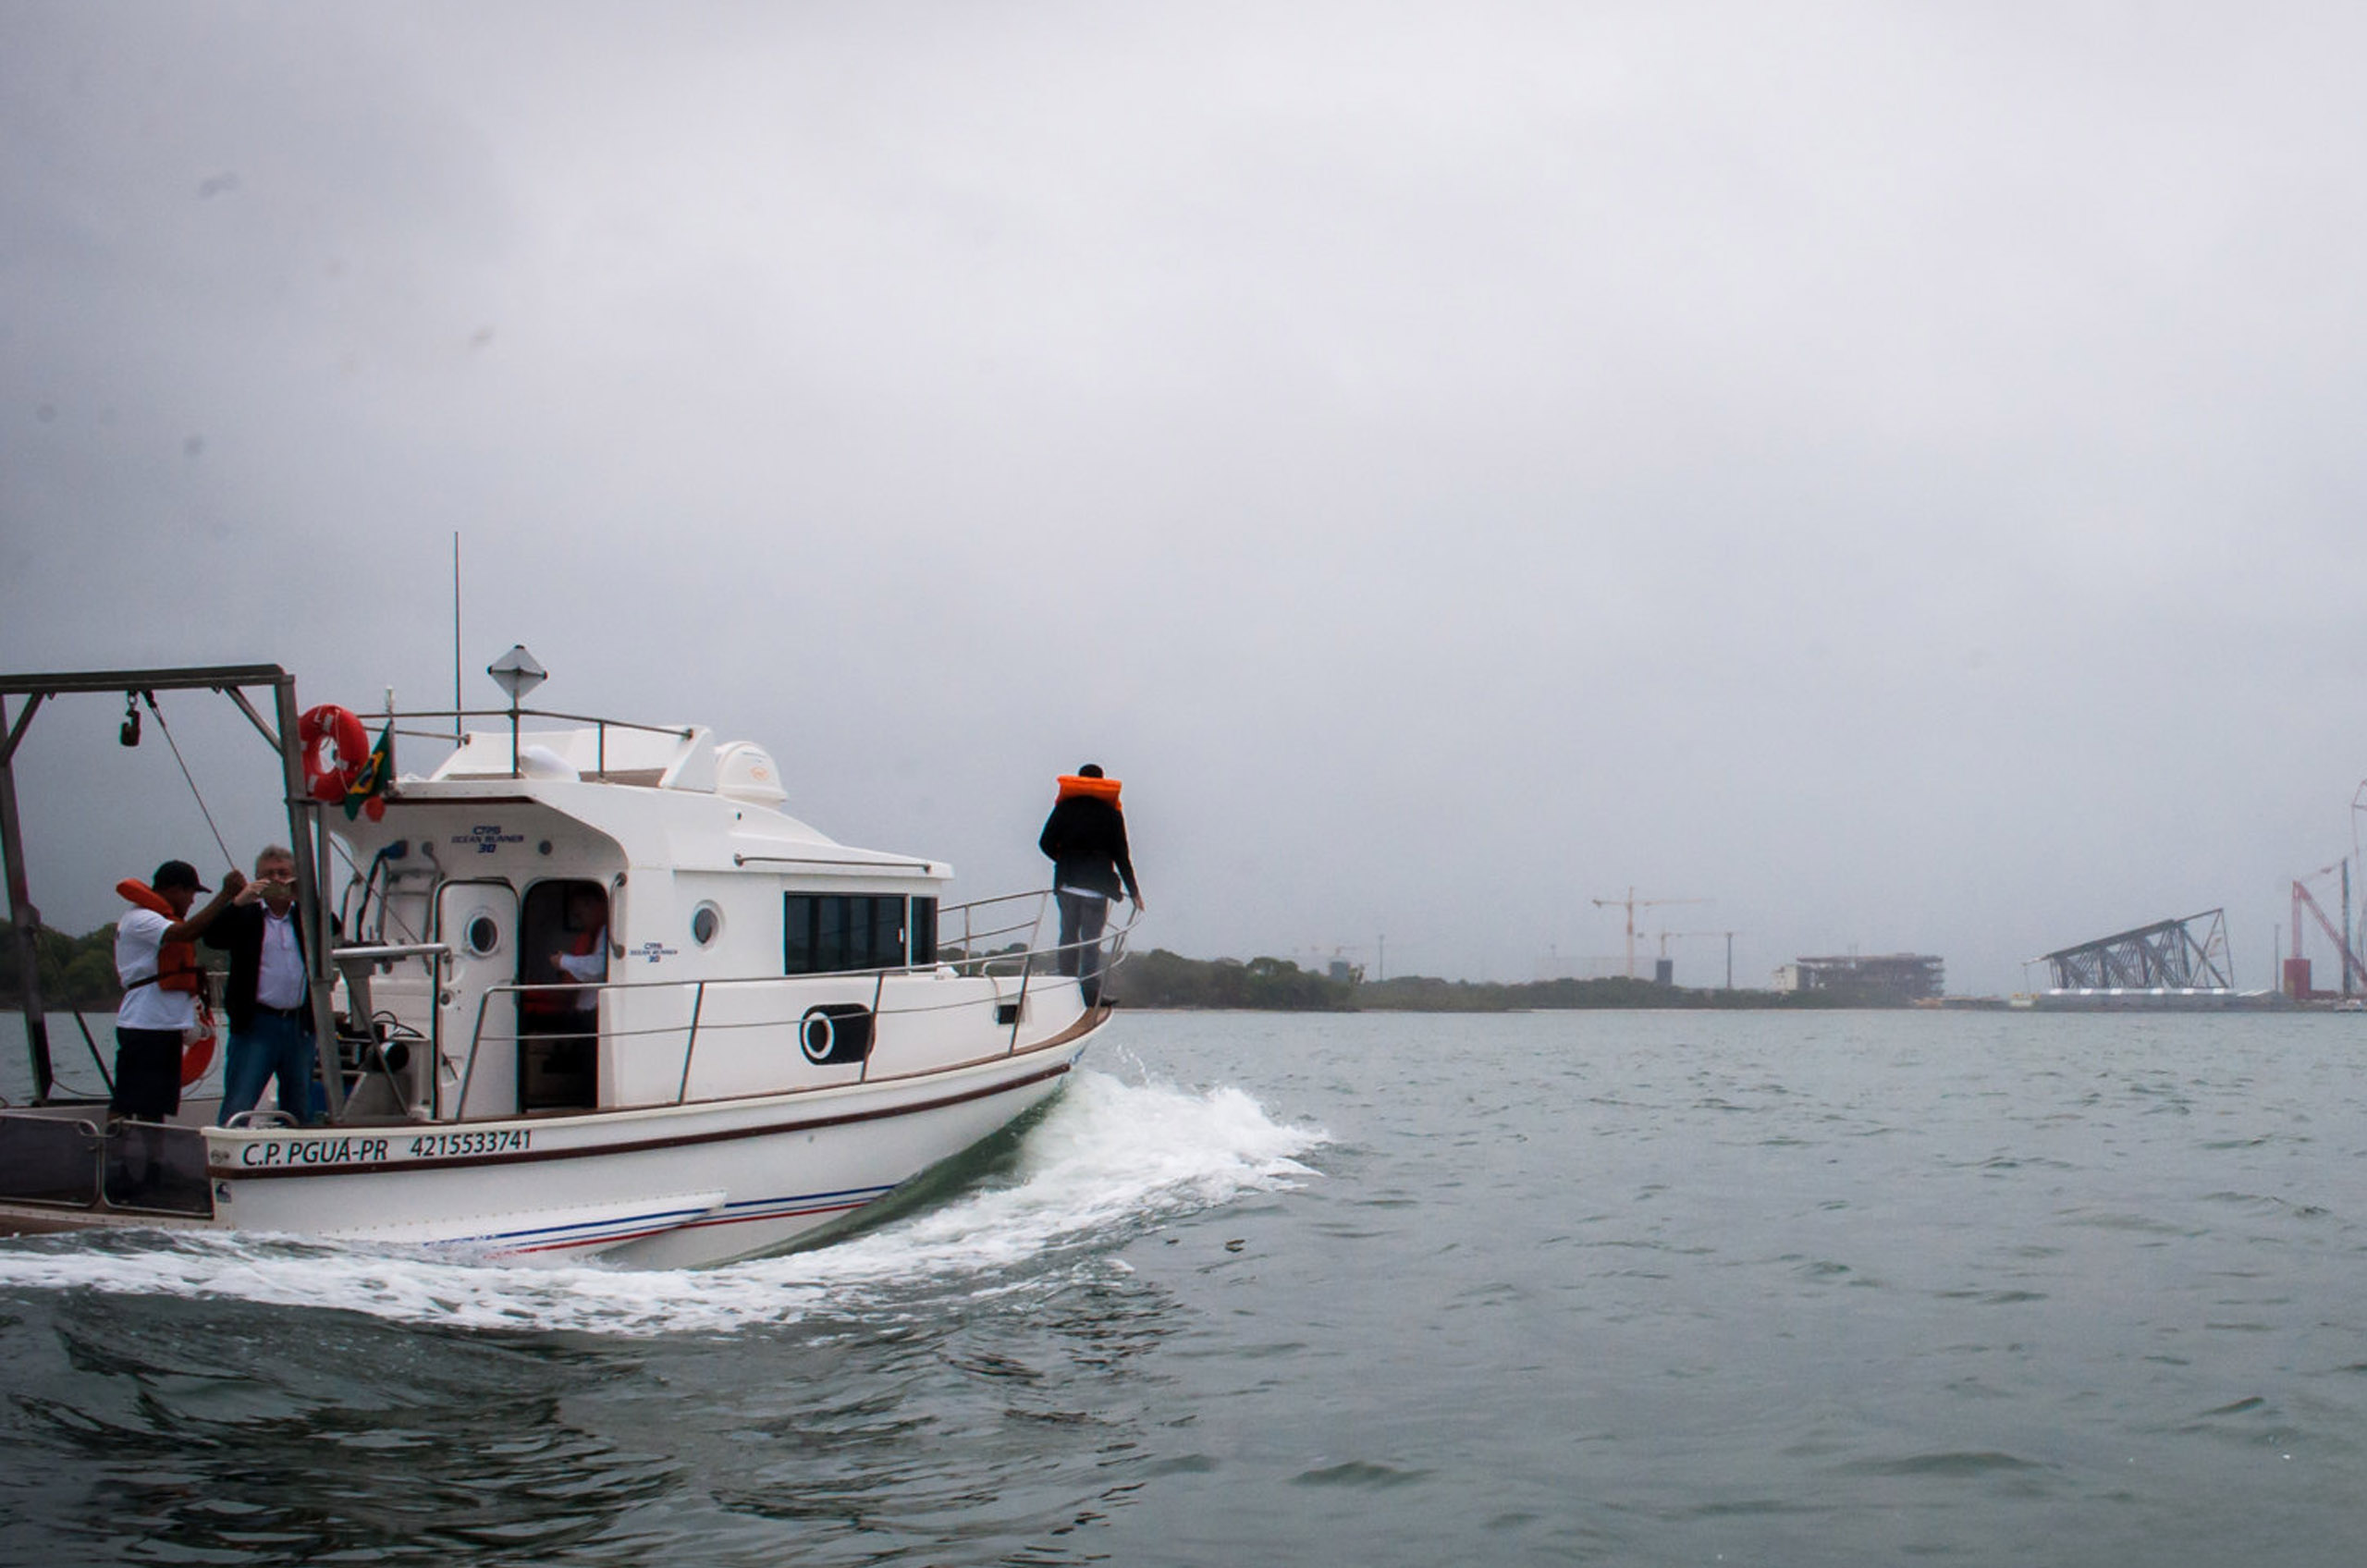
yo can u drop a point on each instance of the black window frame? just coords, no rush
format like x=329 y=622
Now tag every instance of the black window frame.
x=855 y=933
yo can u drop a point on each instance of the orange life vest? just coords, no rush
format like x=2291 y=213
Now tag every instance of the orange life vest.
x=176 y=966
x=1076 y=787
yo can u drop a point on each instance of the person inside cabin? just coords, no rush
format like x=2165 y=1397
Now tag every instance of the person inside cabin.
x=560 y=1029
x=1086 y=839
x=586 y=956
x=269 y=994
x=575 y=1015
x=155 y=960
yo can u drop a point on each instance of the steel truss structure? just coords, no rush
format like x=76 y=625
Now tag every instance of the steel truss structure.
x=2188 y=954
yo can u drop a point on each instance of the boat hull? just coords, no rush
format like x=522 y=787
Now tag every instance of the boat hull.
x=668 y=1187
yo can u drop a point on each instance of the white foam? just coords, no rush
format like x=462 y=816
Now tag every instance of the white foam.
x=1110 y=1158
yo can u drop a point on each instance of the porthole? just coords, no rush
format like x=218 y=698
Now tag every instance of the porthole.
x=483 y=935
x=706 y=922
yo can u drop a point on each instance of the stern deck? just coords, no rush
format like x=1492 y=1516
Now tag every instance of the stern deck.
x=64 y=1167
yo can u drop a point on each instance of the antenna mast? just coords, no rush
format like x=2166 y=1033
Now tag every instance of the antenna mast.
x=458 y=733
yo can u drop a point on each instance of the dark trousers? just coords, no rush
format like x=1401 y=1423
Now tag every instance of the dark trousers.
x=1082 y=918
x=147 y=1073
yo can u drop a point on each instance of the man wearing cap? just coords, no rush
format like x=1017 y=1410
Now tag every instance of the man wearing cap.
x=149 y=1023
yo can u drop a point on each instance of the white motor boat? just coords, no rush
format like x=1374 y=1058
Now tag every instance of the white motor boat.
x=788 y=1028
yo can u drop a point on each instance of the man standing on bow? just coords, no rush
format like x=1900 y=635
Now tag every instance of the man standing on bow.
x=269 y=998
x=1086 y=839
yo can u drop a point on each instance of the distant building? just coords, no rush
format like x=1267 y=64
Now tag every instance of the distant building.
x=1875 y=977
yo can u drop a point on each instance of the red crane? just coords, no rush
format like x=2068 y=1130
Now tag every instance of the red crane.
x=2297 y=968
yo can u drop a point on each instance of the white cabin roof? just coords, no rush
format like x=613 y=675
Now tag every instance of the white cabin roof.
x=671 y=798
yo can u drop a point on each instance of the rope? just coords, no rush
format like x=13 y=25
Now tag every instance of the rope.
x=97 y=1060
x=227 y=859
x=149 y=697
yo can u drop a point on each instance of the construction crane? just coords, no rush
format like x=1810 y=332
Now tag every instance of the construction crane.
x=2297 y=981
x=1631 y=903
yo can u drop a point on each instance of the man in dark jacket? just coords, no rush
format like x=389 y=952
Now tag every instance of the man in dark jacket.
x=1085 y=838
x=269 y=994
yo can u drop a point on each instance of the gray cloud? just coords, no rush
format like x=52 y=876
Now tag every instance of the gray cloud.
x=1887 y=472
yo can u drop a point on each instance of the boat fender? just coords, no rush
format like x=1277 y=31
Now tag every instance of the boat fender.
x=197 y=1047
x=836 y=1033
x=336 y=750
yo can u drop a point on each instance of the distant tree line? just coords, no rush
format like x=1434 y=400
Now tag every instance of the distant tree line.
x=1421 y=994
x=1159 y=978
x=1163 y=979
x=76 y=972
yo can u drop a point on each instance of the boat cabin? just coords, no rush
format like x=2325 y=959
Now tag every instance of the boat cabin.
x=620 y=883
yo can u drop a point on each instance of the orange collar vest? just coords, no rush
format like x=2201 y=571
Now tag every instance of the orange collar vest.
x=1074 y=787
x=176 y=966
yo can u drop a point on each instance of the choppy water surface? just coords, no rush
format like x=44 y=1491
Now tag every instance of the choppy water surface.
x=1601 y=1287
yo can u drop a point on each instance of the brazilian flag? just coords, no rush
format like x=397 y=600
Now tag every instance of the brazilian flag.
x=368 y=791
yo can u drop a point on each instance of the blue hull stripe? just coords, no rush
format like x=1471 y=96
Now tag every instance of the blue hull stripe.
x=625 y=1228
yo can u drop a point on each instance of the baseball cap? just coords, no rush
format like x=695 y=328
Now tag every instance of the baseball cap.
x=178 y=874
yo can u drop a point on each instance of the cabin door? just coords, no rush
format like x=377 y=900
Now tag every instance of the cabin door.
x=477 y=1028
x=563 y=935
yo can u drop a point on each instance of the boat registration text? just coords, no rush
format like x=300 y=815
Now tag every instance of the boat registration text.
x=288 y=1152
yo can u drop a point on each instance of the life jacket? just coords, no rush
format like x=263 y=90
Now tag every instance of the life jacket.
x=545 y=1004
x=177 y=965
x=1074 y=787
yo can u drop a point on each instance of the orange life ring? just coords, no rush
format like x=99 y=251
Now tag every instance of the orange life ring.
x=336 y=750
x=198 y=1055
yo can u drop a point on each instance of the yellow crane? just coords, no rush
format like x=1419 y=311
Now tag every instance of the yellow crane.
x=1631 y=903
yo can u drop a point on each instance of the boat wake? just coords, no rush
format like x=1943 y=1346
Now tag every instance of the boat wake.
x=1107 y=1161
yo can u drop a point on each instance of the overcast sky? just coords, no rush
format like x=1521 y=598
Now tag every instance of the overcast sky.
x=1893 y=471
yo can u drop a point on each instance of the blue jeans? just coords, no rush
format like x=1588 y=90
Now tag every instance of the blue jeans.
x=1083 y=914
x=269 y=1046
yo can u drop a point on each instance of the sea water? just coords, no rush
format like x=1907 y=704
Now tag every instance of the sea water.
x=1603 y=1287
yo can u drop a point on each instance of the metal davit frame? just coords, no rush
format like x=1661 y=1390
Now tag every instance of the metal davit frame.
x=310 y=848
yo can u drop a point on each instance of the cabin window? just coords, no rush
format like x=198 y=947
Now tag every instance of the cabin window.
x=705 y=921
x=483 y=935
x=831 y=933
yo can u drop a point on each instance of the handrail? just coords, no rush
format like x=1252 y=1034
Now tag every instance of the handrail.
x=468 y=1068
x=849 y=866
x=1112 y=941
x=878 y=994
x=388 y=952
x=698 y=1004
x=684 y=732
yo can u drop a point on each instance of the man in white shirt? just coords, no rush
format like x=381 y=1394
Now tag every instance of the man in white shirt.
x=150 y=1020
